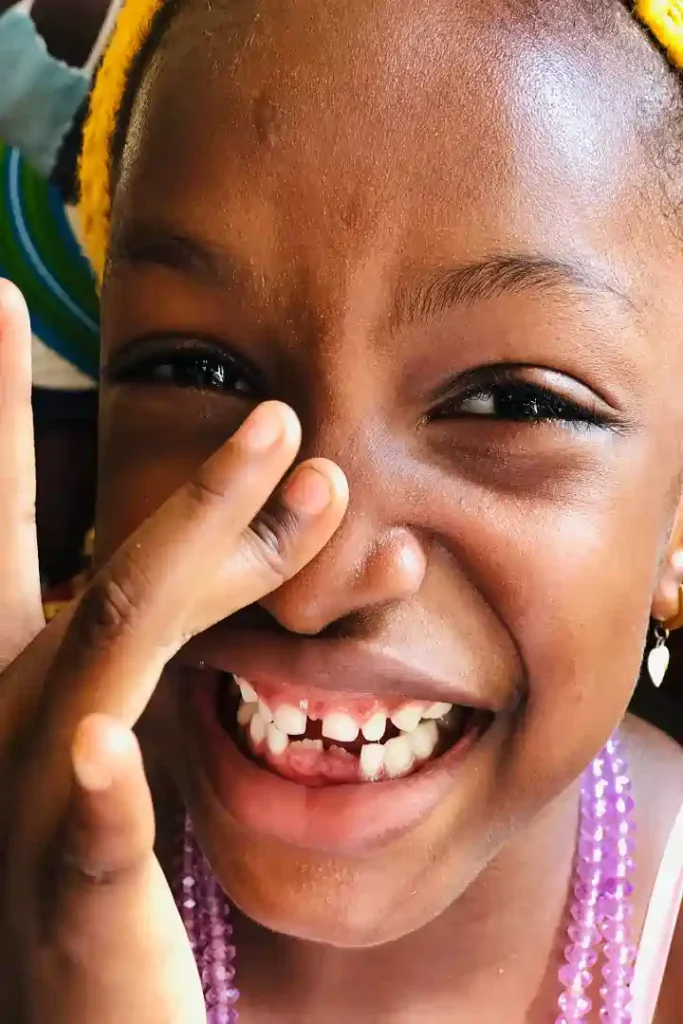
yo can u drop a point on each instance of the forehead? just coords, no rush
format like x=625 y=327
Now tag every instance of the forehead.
x=337 y=131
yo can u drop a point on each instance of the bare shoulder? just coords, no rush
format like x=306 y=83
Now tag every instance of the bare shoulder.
x=656 y=765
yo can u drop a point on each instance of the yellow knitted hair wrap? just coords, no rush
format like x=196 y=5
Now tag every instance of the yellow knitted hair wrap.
x=664 y=18
x=132 y=29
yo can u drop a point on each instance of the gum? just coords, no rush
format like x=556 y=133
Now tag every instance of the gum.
x=318 y=703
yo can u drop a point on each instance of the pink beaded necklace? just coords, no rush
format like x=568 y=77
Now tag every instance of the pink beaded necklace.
x=601 y=909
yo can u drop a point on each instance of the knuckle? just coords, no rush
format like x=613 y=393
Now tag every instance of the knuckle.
x=271 y=542
x=203 y=492
x=113 y=603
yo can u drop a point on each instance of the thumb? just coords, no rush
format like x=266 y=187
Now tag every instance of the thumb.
x=114 y=924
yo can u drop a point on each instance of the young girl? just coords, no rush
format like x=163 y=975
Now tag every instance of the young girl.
x=429 y=252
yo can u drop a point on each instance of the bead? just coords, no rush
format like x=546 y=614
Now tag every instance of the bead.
x=620 y=954
x=575 y=1005
x=615 y=931
x=587 y=895
x=584 y=914
x=618 y=974
x=583 y=937
x=617 y=889
x=610 y=1016
x=582 y=959
x=623 y=804
x=573 y=980
x=618 y=998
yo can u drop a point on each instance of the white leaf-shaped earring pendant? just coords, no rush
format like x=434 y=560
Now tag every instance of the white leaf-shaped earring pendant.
x=659 y=657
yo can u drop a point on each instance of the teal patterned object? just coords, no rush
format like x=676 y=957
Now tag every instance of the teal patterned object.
x=40 y=253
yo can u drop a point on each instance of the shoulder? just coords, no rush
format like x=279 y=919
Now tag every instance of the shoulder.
x=656 y=765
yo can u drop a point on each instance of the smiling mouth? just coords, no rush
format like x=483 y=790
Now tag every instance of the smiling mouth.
x=317 y=739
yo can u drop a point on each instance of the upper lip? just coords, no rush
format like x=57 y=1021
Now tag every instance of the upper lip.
x=342 y=666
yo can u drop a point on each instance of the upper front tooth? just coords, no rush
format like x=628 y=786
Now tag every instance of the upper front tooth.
x=249 y=695
x=264 y=711
x=375 y=727
x=408 y=717
x=423 y=740
x=437 y=710
x=398 y=757
x=290 y=720
x=339 y=726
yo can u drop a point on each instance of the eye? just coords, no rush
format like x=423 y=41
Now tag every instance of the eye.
x=196 y=369
x=520 y=401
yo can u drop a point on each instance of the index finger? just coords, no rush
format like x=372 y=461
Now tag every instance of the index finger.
x=21 y=614
x=208 y=551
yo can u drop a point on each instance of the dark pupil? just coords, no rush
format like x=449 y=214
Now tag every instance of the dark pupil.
x=525 y=401
x=208 y=372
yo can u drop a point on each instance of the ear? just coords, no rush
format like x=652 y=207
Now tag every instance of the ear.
x=667 y=603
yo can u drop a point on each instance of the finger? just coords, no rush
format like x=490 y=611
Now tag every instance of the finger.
x=113 y=934
x=20 y=602
x=21 y=690
x=210 y=550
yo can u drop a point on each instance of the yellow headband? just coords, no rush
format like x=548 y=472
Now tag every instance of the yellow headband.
x=132 y=29
x=664 y=19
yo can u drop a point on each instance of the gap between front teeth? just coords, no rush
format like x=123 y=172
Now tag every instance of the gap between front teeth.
x=278 y=729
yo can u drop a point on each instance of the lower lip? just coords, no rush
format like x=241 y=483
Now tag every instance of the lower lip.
x=336 y=819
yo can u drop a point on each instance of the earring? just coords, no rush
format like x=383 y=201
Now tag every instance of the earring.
x=659 y=657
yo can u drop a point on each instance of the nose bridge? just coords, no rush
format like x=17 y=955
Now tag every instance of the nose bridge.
x=373 y=559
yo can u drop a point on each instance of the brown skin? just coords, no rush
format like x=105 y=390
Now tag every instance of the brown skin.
x=536 y=552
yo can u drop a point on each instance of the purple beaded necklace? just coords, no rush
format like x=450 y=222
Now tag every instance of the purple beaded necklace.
x=601 y=910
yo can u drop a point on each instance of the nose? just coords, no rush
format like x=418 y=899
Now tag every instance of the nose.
x=356 y=574
x=377 y=557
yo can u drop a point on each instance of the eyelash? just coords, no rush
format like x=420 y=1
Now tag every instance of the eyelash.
x=522 y=401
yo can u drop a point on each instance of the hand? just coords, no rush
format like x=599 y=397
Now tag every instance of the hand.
x=88 y=928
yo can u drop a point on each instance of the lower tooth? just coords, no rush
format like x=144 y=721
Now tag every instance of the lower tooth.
x=307 y=744
x=277 y=741
x=398 y=757
x=423 y=740
x=371 y=761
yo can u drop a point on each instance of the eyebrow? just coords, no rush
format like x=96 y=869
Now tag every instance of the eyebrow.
x=439 y=291
x=205 y=262
x=495 y=276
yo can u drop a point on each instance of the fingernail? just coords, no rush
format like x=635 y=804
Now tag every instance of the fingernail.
x=308 y=491
x=262 y=429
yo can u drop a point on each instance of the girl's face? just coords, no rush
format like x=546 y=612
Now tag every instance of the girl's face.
x=438 y=231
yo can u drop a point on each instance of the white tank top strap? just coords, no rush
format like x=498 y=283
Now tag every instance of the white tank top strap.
x=658 y=930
